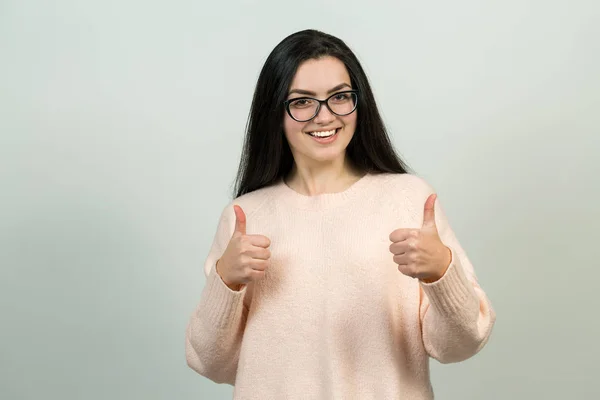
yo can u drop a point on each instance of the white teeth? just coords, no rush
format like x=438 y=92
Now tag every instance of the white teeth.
x=322 y=134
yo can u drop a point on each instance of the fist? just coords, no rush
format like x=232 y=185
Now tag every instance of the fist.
x=246 y=257
x=420 y=253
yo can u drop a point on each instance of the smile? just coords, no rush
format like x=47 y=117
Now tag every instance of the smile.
x=323 y=134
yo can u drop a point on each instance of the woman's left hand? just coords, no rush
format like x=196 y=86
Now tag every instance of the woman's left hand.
x=420 y=253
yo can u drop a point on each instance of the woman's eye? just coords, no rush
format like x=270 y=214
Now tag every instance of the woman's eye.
x=300 y=103
x=341 y=97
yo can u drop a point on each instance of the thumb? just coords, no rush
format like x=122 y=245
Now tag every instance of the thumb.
x=429 y=213
x=240 y=220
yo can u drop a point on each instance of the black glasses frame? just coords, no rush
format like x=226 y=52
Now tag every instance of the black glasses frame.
x=320 y=102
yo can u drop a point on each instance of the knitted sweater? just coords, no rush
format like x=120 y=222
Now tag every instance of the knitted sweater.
x=333 y=318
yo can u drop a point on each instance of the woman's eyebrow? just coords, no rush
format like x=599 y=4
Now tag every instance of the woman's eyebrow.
x=309 y=93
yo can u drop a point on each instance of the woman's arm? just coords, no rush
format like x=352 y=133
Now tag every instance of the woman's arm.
x=216 y=327
x=456 y=315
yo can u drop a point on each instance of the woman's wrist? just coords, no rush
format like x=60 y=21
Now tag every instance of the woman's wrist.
x=233 y=286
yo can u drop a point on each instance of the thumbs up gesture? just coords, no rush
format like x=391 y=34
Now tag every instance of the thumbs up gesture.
x=420 y=253
x=246 y=257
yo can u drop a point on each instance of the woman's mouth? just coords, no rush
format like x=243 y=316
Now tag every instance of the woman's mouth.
x=324 y=136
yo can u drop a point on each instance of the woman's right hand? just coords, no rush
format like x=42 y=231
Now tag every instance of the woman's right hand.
x=246 y=257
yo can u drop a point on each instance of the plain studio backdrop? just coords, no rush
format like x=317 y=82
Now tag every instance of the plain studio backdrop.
x=121 y=127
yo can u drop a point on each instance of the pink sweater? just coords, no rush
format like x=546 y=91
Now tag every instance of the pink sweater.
x=334 y=318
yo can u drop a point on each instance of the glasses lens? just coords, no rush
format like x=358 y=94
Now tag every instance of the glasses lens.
x=343 y=103
x=303 y=109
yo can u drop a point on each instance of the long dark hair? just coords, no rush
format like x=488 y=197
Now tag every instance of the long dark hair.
x=266 y=155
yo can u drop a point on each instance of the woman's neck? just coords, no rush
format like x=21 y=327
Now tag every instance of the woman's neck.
x=322 y=179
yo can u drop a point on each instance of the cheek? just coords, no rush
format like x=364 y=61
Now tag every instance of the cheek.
x=350 y=121
x=292 y=129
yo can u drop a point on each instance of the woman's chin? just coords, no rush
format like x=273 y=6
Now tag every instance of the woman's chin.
x=326 y=155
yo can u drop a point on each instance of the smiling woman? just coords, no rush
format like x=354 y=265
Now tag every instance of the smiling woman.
x=334 y=274
x=312 y=82
x=309 y=123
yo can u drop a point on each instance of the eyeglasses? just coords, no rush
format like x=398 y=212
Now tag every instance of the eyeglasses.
x=304 y=109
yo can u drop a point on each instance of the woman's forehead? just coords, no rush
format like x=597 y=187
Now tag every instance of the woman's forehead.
x=320 y=75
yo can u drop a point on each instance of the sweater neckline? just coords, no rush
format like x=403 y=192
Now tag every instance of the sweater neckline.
x=323 y=200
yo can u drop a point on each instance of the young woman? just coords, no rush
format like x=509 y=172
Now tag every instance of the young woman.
x=334 y=273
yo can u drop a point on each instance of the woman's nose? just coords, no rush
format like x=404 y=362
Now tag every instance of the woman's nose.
x=324 y=115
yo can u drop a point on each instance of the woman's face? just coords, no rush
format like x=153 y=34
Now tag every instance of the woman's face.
x=319 y=78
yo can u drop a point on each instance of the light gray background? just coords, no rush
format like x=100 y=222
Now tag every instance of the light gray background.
x=121 y=125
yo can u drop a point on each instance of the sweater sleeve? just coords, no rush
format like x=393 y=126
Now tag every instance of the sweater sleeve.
x=215 y=328
x=456 y=315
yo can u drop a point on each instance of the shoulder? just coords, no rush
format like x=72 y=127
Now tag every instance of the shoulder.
x=250 y=203
x=407 y=184
x=405 y=195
